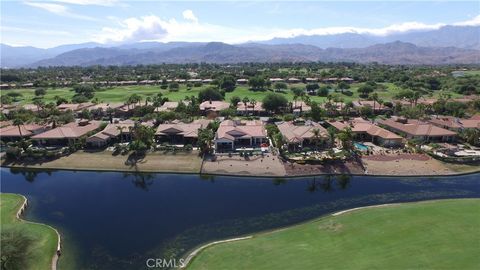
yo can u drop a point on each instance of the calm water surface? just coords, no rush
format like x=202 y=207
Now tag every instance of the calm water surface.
x=117 y=221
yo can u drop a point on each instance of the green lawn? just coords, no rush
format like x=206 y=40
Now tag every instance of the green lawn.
x=44 y=239
x=428 y=235
x=121 y=93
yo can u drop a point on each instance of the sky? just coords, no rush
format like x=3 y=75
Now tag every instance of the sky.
x=46 y=24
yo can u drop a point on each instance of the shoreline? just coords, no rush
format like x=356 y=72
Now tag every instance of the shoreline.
x=20 y=212
x=41 y=169
x=196 y=251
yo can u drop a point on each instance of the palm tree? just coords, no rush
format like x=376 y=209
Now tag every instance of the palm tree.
x=245 y=101
x=316 y=137
x=375 y=99
x=253 y=102
x=53 y=119
x=147 y=100
x=346 y=136
x=331 y=135
x=18 y=122
x=121 y=128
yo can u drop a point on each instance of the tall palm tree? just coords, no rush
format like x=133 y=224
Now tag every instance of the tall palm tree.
x=316 y=137
x=18 y=122
x=121 y=128
x=245 y=101
x=253 y=102
x=375 y=99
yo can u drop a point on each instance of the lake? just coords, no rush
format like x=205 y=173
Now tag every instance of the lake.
x=114 y=220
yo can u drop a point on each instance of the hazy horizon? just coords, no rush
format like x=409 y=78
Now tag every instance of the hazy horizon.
x=46 y=24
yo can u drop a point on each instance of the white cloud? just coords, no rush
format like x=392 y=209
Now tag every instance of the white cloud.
x=53 y=8
x=188 y=15
x=57 y=9
x=153 y=28
x=106 y=3
x=473 y=22
x=135 y=29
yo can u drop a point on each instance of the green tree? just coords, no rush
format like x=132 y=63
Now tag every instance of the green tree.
x=40 y=92
x=205 y=138
x=210 y=93
x=274 y=102
x=257 y=83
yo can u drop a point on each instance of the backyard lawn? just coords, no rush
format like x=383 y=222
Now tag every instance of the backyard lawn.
x=427 y=235
x=42 y=240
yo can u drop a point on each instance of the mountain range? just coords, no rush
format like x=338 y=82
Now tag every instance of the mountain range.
x=447 y=45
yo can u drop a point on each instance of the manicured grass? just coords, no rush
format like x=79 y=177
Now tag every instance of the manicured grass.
x=44 y=245
x=428 y=235
x=120 y=94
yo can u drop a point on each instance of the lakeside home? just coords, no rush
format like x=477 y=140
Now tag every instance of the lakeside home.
x=301 y=134
x=67 y=134
x=416 y=129
x=114 y=132
x=13 y=133
x=233 y=134
x=366 y=131
x=180 y=133
x=455 y=123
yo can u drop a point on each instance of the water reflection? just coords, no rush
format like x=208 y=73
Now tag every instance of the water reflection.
x=180 y=212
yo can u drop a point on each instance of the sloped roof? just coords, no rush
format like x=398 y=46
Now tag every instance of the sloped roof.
x=454 y=122
x=298 y=133
x=231 y=130
x=359 y=125
x=27 y=130
x=417 y=128
x=69 y=131
x=214 y=105
x=188 y=130
x=257 y=108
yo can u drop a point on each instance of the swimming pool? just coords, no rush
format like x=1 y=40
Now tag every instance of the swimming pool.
x=361 y=146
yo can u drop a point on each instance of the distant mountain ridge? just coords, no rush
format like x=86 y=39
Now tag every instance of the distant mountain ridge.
x=465 y=37
x=215 y=52
x=447 y=45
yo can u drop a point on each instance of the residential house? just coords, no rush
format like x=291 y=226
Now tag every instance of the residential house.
x=454 y=123
x=75 y=107
x=242 y=81
x=293 y=80
x=419 y=130
x=101 y=109
x=14 y=133
x=169 y=106
x=114 y=132
x=212 y=108
x=347 y=80
x=234 y=134
x=366 y=131
x=250 y=108
x=179 y=132
x=67 y=134
x=301 y=134
x=299 y=107
x=274 y=80
x=376 y=107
